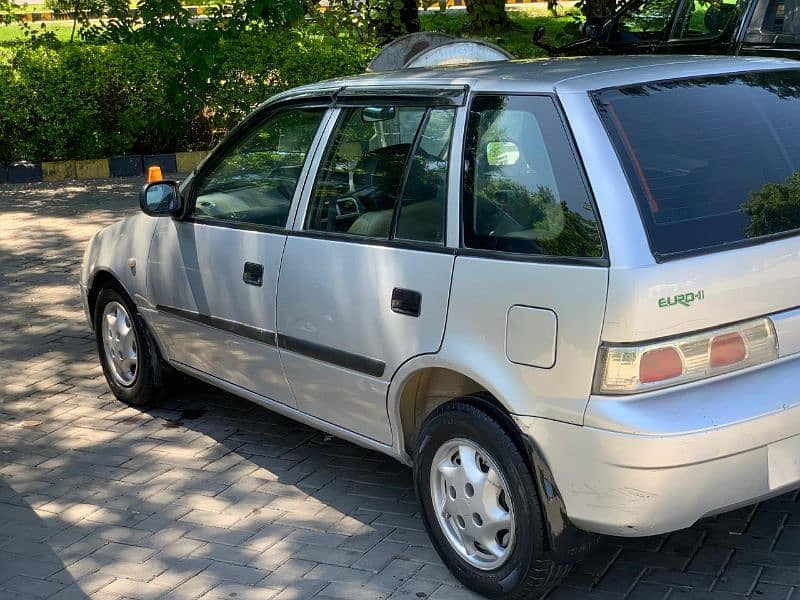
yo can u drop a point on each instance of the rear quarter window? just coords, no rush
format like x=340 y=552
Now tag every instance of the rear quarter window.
x=712 y=161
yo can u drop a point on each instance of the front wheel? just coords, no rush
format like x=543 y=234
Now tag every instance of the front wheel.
x=480 y=505
x=129 y=358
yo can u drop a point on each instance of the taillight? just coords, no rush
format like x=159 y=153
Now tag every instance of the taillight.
x=627 y=369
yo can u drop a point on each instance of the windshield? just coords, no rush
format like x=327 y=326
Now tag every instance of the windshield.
x=712 y=161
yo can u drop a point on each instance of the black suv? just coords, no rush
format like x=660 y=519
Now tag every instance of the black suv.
x=748 y=27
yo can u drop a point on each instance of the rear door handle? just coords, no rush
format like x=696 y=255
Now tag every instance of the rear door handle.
x=253 y=274
x=406 y=302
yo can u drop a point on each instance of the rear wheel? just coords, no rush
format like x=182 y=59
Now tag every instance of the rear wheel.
x=129 y=357
x=480 y=505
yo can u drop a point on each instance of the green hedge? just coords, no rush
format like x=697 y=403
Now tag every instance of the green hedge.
x=81 y=101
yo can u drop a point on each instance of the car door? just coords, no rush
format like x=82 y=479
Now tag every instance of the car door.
x=213 y=275
x=365 y=278
x=704 y=28
x=641 y=26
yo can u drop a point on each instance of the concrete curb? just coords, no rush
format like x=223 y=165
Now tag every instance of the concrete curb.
x=116 y=166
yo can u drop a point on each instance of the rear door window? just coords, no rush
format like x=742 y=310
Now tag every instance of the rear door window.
x=713 y=161
x=384 y=175
x=523 y=191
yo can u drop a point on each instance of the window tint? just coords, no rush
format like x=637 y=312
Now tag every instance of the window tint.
x=777 y=24
x=646 y=21
x=422 y=205
x=255 y=181
x=523 y=191
x=706 y=19
x=719 y=165
x=361 y=176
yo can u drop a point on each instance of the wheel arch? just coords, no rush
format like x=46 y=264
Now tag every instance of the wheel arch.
x=420 y=388
x=428 y=386
x=100 y=280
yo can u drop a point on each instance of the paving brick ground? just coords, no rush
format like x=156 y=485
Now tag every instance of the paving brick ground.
x=207 y=496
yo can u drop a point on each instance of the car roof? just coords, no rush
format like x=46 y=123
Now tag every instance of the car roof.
x=554 y=75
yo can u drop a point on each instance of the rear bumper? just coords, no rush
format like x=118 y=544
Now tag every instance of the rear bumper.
x=659 y=462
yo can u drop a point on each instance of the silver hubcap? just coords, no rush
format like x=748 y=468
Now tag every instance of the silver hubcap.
x=472 y=504
x=119 y=343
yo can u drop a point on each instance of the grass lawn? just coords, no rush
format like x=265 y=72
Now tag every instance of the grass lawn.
x=518 y=39
x=10 y=33
x=455 y=22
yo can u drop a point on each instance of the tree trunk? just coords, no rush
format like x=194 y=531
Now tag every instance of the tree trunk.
x=409 y=14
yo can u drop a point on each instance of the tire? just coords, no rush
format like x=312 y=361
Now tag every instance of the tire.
x=526 y=571
x=139 y=385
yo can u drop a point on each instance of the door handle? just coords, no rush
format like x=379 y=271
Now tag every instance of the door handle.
x=253 y=274
x=406 y=302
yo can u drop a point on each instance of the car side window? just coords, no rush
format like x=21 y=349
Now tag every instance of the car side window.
x=523 y=190
x=643 y=22
x=421 y=210
x=362 y=176
x=255 y=182
x=704 y=18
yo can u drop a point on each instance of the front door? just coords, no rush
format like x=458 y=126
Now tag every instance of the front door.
x=213 y=275
x=366 y=274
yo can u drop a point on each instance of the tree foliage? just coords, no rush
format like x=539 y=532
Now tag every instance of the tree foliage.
x=387 y=19
x=96 y=100
x=487 y=15
x=6 y=11
x=774 y=208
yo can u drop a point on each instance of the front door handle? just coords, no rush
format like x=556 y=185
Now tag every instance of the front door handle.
x=406 y=302
x=253 y=274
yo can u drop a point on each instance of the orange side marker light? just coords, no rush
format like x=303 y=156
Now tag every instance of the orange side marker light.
x=154 y=174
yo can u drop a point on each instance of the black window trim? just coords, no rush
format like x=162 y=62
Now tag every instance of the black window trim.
x=233 y=138
x=592 y=261
x=663 y=257
x=391 y=241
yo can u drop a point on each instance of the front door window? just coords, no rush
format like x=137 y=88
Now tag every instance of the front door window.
x=647 y=21
x=255 y=182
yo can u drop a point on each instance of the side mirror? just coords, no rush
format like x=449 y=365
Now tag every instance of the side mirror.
x=160 y=199
x=593 y=27
x=375 y=114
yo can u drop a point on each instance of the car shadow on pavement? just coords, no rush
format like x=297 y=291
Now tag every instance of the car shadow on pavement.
x=207 y=495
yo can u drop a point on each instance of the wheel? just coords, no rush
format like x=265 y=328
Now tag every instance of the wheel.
x=480 y=505
x=130 y=359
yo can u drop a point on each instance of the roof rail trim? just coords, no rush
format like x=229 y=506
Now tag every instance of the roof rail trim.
x=438 y=95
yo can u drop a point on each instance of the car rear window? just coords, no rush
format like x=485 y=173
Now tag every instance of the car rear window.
x=713 y=161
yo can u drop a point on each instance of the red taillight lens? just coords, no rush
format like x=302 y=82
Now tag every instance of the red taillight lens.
x=727 y=349
x=632 y=368
x=660 y=364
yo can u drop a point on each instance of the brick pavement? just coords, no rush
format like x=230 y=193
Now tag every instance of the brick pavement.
x=207 y=496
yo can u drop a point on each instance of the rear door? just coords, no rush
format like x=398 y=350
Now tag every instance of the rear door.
x=365 y=278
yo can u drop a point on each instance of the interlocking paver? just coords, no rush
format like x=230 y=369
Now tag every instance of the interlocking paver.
x=205 y=495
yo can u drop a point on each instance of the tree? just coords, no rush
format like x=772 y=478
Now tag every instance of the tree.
x=487 y=15
x=393 y=18
x=6 y=12
x=79 y=11
x=593 y=9
x=774 y=208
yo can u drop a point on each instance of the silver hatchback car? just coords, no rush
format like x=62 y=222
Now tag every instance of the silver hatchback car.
x=564 y=291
